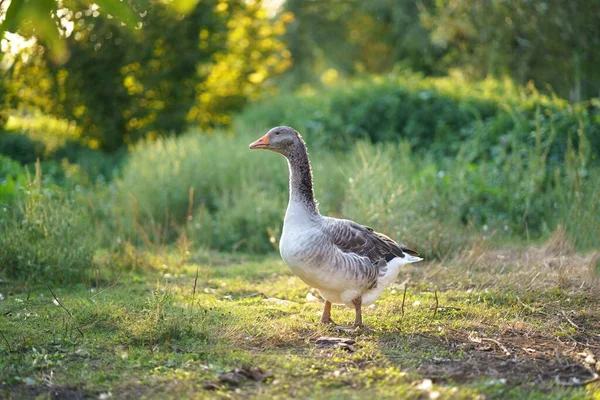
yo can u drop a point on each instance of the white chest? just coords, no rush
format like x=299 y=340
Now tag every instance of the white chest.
x=299 y=245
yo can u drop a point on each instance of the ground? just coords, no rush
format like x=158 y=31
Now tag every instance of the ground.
x=487 y=324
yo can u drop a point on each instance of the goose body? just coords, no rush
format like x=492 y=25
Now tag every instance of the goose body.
x=347 y=262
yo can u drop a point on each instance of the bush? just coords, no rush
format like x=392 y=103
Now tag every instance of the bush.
x=98 y=165
x=48 y=241
x=435 y=115
x=21 y=148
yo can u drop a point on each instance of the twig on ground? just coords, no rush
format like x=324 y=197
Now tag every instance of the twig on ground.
x=504 y=349
x=484 y=339
x=578 y=343
x=437 y=303
x=444 y=308
x=194 y=290
x=65 y=308
x=569 y=320
x=403 y=299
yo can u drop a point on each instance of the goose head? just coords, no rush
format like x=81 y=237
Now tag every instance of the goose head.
x=281 y=139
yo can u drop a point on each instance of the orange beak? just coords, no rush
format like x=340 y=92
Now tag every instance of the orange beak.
x=262 y=143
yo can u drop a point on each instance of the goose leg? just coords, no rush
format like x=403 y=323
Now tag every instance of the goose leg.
x=357 y=307
x=326 y=317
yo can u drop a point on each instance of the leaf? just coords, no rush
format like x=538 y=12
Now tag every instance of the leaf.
x=120 y=10
x=184 y=6
x=34 y=17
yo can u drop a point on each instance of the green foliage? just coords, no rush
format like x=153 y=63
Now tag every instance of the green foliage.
x=357 y=36
x=386 y=191
x=97 y=165
x=519 y=39
x=120 y=86
x=198 y=180
x=12 y=177
x=35 y=17
x=220 y=195
x=21 y=148
x=47 y=241
x=434 y=114
x=522 y=39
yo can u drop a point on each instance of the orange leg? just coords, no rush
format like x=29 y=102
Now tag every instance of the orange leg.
x=326 y=317
x=357 y=306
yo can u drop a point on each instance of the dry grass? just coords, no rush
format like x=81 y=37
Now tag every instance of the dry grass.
x=553 y=264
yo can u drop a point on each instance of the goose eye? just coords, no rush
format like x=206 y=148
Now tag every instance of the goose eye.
x=277 y=133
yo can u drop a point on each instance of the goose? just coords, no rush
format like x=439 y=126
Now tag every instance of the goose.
x=348 y=263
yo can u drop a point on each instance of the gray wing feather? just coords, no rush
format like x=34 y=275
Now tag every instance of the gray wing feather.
x=366 y=251
x=351 y=237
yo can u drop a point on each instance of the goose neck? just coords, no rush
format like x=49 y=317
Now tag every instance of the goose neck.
x=301 y=181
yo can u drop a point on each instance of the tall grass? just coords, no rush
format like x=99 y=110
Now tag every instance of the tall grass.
x=219 y=194
x=46 y=238
x=212 y=188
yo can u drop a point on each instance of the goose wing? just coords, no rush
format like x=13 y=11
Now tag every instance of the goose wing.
x=350 y=237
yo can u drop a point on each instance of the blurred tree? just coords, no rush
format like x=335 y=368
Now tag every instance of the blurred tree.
x=120 y=85
x=42 y=19
x=243 y=65
x=358 y=36
x=549 y=42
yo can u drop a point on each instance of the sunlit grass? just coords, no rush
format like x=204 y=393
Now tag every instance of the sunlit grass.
x=497 y=331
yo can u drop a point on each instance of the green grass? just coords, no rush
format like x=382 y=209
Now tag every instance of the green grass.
x=498 y=332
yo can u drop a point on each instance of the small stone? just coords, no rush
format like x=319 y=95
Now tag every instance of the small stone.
x=590 y=359
x=311 y=298
x=426 y=385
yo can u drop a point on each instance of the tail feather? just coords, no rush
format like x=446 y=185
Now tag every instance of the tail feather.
x=412 y=259
x=409 y=251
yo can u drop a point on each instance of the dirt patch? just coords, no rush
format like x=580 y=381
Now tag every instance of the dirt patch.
x=517 y=357
x=19 y=391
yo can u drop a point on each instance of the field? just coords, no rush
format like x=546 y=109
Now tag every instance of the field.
x=518 y=323
x=154 y=272
x=139 y=235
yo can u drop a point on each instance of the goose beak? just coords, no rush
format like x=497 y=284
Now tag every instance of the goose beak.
x=262 y=143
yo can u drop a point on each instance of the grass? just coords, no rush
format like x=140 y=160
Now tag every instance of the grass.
x=520 y=323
